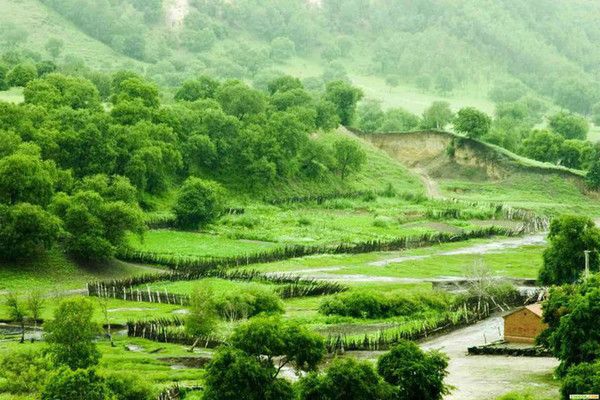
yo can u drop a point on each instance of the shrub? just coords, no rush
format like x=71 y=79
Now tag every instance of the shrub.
x=23 y=371
x=128 y=387
x=65 y=384
x=248 y=303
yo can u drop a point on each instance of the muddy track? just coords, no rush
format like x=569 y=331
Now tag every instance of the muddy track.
x=432 y=188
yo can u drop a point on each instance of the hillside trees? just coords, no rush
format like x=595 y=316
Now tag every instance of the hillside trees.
x=564 y=259
x=472 y=122
x=437 y=116
x=569 y=125
x=345 y=97
x=349 y=156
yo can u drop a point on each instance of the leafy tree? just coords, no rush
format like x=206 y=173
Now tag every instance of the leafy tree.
x=35 y=306
x=345 y=97
x=472 y=122
x=239 y=100
x=22 y=74
x=349 y=156
x=575 y=95
x=200 y=40
x=70 y=337
x=345 y=379
x=399 y=120
x=23 y=371
x=270 y=337
x=133 y=88
x=444 y=81
x=66 y=384
x=571 y=153
x=370 y=116
x=568 y=125
x=56 y=90
x=416 y=374
x=94 y=226
x=202 y=88
x=284 y=83
x=233 y=374
x=593 y=175
x=576 y=338
x=282 y=48
x=583 y=378
x=17 y=312
x=392 y=81
x=26 y=229
x=126 y=386
x=198 y=203
x=507 y=91
x=437 y=116
x=3 y=77
x=564 y=259
x=542 y=145
x=202 y=319
x=316 y=159
x=327 y=117
x=54 y=47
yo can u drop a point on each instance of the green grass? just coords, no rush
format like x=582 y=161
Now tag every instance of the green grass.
x=48 y=24
x=194 y=243
x=54 y=272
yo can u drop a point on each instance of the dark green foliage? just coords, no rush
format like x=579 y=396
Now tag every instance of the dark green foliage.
x=399 y=120
x=370 y=116
x=373 y=305
x=56 y=90
x=542 y=145
x=233 y=374
x=247 y=303
x=472 y=122
x=71 y=334
x=128 y=387
x=437 y=116
x=198 y=203
x=574 y=94
x=22 y=74
x=66 y=384
x=25 y=230
x=345 y=97
x=95 y=227
x=507 y=91
x=284 y=83
x=593 y=176
x=202 y=88
x=581 y=379
x=26 y=178
x=564 y=259
x=415 y=374
x=23 y=371
x=239 y=100
x=569 y=126
x=345 y=379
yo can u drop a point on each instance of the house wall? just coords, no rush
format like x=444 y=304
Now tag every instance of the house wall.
x=522 y=326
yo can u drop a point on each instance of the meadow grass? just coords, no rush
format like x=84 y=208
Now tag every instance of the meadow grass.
x=54 y=272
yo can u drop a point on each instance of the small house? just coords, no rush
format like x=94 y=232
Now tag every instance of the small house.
x=524 y=324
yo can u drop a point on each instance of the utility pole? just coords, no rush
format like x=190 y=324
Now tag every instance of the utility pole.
x=587 y=264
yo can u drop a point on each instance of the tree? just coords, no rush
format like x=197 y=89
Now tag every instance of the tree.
x=392 y=81
x=3 y=77
x=66 y=384
x=593 y=175
x=569 y=126
x=437 y=116
x=327 y=117
x=574 y=94
x=564 y=259
x=583 y=378
x=472 y=122
x=349 y=156
x=54 y=47
x=202 y=88
x=239 y=100
x=126 y=386
x=282 y=48
x=416 y=374
x=233 y=374
x=370 y=116
x=70 y=336
x=507 y=91
x=199 y=203
x=134 y=88
x=22 y=74
x=35 y=305
x=345 y=379
x=542 y=145
x=399 y=120
x=270 y=337
x=25 y=178
x=571 y=153
x=25 y=230
x=345 y=97
x=202 y=319
x=283 y=83
x=17 y=312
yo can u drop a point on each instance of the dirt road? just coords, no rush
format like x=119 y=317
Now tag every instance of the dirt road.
x=432 y=189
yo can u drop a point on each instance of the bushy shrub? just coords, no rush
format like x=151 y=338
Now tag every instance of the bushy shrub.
x=128 y=387
x=198 y=203
x=23 y=371
x=248 y=303
x=370 y=305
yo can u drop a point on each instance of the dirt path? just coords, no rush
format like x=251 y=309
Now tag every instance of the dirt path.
x=483 y=377
x=177 y=12
x=432 y=189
